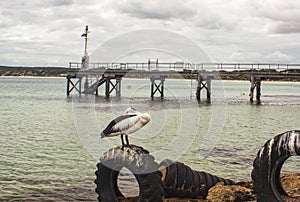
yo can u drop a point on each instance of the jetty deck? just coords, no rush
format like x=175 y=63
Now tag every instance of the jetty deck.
x=109 y=75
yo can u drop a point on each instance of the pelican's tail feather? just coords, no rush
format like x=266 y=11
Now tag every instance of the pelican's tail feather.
x=102 y=135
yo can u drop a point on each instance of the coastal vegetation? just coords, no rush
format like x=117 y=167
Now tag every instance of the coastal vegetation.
x=33 y=71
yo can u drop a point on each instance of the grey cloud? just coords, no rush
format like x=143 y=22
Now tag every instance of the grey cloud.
x=278 y=10
x=35 y=4
x=231 y=30
x=210 y=22
x=283 y=16
x=162 y=10
x=24 y=16
x=284 y=28
x=158 y=42
x=61 y=2
x=215 y=15
x=279 y=56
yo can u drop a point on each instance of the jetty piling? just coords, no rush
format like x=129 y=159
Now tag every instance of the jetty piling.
x=157 y=87
x=112 y=83
x=73 y=85
x=203 y=83
x=115 y=86
x=255 y=84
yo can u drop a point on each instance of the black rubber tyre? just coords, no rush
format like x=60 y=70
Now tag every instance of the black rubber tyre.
x=268 y=163
x=183 y=182
x=140 y=163
x=171 y=173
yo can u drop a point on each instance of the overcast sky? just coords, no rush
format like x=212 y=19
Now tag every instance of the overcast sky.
x=47 y=33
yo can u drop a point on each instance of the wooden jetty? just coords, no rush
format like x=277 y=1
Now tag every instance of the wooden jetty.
x=88 y=80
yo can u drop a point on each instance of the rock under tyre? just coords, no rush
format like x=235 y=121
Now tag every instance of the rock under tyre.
x=268 y=164
x=139 y=162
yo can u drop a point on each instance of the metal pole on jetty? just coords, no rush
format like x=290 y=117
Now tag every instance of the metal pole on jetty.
x=85 y=58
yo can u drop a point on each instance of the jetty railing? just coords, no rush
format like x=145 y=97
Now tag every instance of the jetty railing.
x=110 y=75
x=181 y=66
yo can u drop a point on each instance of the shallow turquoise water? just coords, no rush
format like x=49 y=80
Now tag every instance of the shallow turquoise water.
x=50 y=141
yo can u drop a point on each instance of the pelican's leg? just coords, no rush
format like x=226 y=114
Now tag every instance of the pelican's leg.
x=122 y=141
x=127 y=141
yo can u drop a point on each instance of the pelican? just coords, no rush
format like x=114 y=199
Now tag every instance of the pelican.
x=128 y=123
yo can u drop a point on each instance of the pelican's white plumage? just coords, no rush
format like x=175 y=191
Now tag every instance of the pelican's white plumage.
x=130 y=122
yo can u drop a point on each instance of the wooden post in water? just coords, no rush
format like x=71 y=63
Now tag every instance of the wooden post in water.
x=79 y=85
x=198 y=92
x=258 y=84
x=152 y=87
x=97 y=91
x=162 y=88
x=118 y=87
x=203 y=83
x=107 y=87
x=208 y=89
x=68 y=85
x=86 y=83
x=255 y=83
x=252 y=87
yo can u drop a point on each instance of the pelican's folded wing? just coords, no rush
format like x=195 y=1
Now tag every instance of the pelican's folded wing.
x=126 y=123
x=118 y=125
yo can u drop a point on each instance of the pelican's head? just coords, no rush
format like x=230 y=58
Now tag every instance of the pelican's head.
x=130 y=110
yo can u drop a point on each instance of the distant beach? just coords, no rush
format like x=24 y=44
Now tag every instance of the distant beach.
x=62 y=72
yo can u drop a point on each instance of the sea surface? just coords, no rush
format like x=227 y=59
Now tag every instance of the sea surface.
x=50 y=144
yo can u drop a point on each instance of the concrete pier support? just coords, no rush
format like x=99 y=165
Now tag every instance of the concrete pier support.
x=203 y=83
x=255 y=83
x=157 y=87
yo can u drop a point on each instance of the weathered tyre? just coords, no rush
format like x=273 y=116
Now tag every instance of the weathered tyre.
x=183 y=182
x=140 y=163
x=268 y=163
